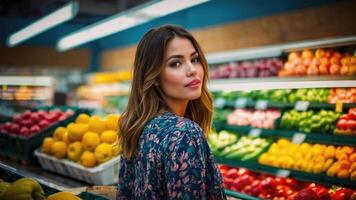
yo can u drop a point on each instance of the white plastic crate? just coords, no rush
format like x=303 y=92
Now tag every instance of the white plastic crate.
x=104 y=174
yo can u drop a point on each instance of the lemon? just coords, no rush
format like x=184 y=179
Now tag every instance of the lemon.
x=112 y=122
x=82 y=119
x=96 y=124
x=109 y=136
x=46 y=145
x=74 y=151
x=90 y=141
x=87 y=159
x=59 y=149
x=103 y=152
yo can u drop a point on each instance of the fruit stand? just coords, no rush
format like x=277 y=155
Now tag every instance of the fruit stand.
x=287 y=112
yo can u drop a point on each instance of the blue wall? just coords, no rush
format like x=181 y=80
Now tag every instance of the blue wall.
x=209 y=14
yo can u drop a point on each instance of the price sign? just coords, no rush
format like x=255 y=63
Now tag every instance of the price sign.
x=338 y=106
x=261 y=105
x=283 y=173
x=240 y=103
x=298 y=138
x=219 y=102
x=255 y=132
x=301 y=105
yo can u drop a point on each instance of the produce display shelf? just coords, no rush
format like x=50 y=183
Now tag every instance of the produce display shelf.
x=303 y=176
x=281 y=83
x=276 y=50
x=240 y=195
x=280 y=105
x=278 y=133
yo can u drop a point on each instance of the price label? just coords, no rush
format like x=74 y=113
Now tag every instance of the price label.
x=240 y=103
x=283 y=173
x=261 y=105
x=301 y=105
x=298 y=138
x=338 y=106
x=219 y=102
x=255 y=132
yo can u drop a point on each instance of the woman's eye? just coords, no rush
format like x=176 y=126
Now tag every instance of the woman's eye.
x=175 y=64
x=195 y=60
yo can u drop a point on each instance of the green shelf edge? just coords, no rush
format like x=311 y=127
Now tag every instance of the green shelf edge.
x=310 y=137
x=240 y=195
x=299 y=175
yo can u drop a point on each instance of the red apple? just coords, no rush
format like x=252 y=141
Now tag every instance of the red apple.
x=24 y=131
x=63 y=117
x=34 y=118
x=16 y=119
x=26 y=122
x=341 y=194
x=268 y=185
x=35 y=129
x=292 y=183
x=44 y=123
x=26 y=114
x=228 y=182
x=307 y=193
x=42 y=114
x=15 y=128
x=232 y=173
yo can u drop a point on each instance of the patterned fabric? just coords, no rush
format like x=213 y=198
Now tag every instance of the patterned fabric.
x=173 y=162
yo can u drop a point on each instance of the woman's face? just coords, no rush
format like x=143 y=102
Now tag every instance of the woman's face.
x=183 y=73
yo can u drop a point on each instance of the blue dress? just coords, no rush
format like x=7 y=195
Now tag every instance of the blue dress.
x=174 y=161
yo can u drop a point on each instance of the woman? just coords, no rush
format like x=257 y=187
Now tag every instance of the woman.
x=165 y=154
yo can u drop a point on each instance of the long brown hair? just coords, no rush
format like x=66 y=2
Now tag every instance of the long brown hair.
x=146 y=100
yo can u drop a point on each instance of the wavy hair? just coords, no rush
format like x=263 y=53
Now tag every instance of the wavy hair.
x=146 y=100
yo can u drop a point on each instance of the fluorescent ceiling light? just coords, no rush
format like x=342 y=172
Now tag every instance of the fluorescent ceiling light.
x=67 y=12
x=123 y=21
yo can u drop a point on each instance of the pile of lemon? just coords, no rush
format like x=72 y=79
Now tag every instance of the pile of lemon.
x=337 y=161
x=88 y=141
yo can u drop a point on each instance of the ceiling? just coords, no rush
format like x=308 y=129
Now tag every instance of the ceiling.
x=89 y=10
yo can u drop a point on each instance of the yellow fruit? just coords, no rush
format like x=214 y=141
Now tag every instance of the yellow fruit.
x=46 y=145
x=282 y=143
x=76 y=131
x=88 y=159
x=329 y=152
x=74 y=151
x=59 y=149
x=82 y=119
x=353 y=166
x=103 y=152
x=344 y=164
x=353 y=176
x=112 y=122
x=328 y=163
x=62 y=196
x=96 y=124
x=353 y=157
x=331 y=171
x=109 y=137
x=58 y=133
x=263 y=159
x=305 y=147
x=66 y=138
x=90 y=141
x=318 y=168
x=343 y=174
x=348 y=149
x=115 y=149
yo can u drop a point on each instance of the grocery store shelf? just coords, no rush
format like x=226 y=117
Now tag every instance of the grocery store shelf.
x=309 y=137
x=27 y=80
x=276 y=50
x=254 y=104
x=281 y=83
x=299 y=175
x=240 y=195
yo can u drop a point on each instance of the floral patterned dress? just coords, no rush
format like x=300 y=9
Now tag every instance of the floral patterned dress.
x=173 y=162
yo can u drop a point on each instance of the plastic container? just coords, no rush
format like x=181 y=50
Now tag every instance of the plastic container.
x=22 y=148
x=103 y=174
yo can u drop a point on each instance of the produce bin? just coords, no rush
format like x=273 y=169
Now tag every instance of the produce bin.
x=104 y=174
x=22 y=148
